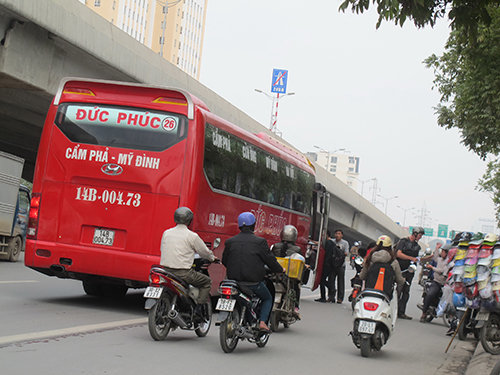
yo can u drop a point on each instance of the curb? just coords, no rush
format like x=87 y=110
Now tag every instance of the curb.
x=482 y=362
x=459 y=358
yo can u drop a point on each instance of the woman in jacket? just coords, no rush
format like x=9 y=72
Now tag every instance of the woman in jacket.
x=383 y=253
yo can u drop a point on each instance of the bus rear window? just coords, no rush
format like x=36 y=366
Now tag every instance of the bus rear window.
x=124 y=127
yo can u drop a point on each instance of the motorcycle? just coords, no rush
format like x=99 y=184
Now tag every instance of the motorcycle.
x=431 y=313
x=469 y=323
x=425 y=277
x=171 y=303
x=489 y=334
x=238 y=319
x=356 y=282
x=374 y=320
x=284 y=302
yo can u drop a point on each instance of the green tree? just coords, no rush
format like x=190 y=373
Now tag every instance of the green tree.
x=467 y=76
x=464 y=14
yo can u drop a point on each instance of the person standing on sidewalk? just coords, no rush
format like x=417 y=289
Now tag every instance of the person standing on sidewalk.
x=407 y=251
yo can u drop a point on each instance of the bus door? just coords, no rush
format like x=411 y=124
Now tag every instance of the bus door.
x=319 y=226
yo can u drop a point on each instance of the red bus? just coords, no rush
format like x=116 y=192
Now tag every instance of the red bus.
x=116 y=159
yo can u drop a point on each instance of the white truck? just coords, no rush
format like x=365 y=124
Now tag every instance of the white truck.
x=14 y=207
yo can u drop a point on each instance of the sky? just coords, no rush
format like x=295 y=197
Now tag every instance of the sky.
x=356 y=88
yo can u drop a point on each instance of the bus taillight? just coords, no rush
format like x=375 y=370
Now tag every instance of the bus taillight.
x=34 y=214
x=78 y=91
x=169 y=100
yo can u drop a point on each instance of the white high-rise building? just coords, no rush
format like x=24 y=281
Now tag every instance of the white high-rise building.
x=172 y=28
x=342 y=165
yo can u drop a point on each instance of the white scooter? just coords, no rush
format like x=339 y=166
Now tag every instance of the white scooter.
x=374 y=320
x=375 y=317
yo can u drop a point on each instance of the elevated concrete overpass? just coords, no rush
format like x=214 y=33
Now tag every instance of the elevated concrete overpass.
x=43 y=41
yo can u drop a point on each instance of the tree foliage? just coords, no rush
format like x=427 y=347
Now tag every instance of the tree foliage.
x=467 y=76
x=464 y=14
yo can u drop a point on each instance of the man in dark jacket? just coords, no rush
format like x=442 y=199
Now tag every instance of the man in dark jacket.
x=407 y=250
x=245 y=257
x=326 y=274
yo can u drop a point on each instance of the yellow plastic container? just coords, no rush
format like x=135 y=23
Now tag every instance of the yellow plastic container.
x=294 y=267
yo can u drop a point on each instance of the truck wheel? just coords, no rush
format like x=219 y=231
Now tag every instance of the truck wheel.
x=14 y=249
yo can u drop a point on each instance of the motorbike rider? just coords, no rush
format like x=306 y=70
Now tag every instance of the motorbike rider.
x=426 y=259
x=245 y=257
x=440 y=274
x=358 y=265
x=354 y=253
x=407 y=251
x=382 y=253
x=287 y=248
x=178 y=248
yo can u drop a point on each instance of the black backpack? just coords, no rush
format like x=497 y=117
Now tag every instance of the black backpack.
x=381 y=277
x=338 y=256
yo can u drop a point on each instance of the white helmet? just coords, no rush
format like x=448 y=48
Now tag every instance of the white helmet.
x=486 y=292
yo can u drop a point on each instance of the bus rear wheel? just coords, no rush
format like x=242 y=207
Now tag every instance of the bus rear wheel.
x=111 y=291
x=93 y=288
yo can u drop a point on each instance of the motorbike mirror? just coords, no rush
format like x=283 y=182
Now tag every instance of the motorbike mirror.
x=216 y=243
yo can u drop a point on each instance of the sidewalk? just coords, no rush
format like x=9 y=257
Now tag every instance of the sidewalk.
x=481 y=362
x=468 y=358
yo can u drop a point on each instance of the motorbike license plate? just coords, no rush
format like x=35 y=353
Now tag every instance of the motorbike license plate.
x=153 y=292
x=366 y=327
x=103 y=237
x=483 y=315
x=225 y=304
x=277 y=298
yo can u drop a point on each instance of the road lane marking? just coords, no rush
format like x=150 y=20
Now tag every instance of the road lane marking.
x=91 y=328
x=19 y=281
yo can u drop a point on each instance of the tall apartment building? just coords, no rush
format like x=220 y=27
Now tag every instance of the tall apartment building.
x=342 y=165
x=174 y=29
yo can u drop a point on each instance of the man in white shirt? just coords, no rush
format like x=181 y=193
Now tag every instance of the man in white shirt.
x=178 y=248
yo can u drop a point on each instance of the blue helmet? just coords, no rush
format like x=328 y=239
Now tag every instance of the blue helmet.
x=246 y=219
x=458 y=299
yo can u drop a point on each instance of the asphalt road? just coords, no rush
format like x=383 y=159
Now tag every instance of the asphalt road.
x=50 y=326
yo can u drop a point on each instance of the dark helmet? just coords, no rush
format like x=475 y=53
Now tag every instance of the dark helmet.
x=183 y=215
x=417 y=230
x=289 y=233
x=456 y=240
x=246 y=219
x=465 y=237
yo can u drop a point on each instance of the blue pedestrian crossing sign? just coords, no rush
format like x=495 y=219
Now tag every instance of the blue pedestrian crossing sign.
x=280 y=78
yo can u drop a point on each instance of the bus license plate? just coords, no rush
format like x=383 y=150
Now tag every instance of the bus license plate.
x=225 y=304
x=483 y=315
x=103 y=237
x=366 y=327
x=153 y=292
